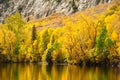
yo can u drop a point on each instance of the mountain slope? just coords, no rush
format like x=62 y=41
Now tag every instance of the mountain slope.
x=42 y=8
x=58 y=20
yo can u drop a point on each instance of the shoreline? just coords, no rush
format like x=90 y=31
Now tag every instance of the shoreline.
x=67 y=64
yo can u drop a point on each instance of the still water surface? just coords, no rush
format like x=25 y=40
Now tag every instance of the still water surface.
x=56 y=72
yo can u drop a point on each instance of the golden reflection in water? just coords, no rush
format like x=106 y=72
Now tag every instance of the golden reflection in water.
x=58 y=72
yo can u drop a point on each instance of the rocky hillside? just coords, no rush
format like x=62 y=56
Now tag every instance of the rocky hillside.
x=42 y=8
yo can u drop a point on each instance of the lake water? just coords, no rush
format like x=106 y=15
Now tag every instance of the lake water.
x=56 y=72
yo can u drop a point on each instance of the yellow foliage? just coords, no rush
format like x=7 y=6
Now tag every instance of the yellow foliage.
x=35 y=43
x=118 y=44
x=74 y=39
x=114 y=35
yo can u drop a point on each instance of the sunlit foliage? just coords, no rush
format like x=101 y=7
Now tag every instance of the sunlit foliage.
x=77 y=39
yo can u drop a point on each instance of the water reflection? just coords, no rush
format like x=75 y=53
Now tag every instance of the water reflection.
x=58 y=72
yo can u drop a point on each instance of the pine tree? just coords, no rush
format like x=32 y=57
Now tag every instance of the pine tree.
x=33 y=33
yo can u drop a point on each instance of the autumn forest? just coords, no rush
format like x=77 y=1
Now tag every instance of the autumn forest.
x=88 y=37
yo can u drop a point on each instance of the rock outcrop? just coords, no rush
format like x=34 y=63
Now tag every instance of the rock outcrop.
x=43 y=8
